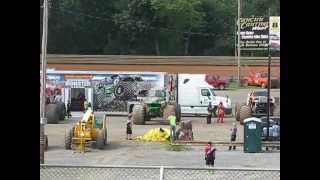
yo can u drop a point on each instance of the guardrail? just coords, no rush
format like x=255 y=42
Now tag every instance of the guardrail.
x=76 y=172
x=127 y=59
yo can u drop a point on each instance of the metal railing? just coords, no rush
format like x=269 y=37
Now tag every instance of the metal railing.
x=76 y=172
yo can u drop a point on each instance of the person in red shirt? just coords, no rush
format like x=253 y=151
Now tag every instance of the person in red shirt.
x=220 y=112
x=209 y=152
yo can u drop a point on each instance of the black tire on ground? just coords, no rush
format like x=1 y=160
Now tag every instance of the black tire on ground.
x=100 y=139
x=245 y=113
x=169 y=109
x=52 y=113
x=68 y=138
x=46 y=143
x=178 y=113
x=138 y=114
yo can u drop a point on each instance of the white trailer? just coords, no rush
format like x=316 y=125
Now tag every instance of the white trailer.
x=194 y=95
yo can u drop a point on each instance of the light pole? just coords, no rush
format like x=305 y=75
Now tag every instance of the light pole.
x=238 y=54
x=43 y=75
x=269 y=81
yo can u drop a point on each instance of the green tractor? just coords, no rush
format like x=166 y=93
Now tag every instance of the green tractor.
x=153 y=105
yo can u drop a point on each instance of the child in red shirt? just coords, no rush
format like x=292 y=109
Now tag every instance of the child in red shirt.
x=220 y=112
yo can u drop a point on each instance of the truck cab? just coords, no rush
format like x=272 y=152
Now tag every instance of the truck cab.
x=195 y=94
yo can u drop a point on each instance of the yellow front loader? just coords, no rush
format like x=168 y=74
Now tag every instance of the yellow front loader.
x=86 y=130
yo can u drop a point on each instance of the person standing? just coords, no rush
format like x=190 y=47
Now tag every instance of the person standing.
x=233 y=135
x=85 y=105
x=210 y=111
x=69 y=109
x=129 y=127
x=220 y=112
x=276 y=131
x=210 y=154
x=172 y=121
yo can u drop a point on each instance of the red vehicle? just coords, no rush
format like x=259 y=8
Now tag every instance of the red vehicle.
x=259 y=79
x=216 y=82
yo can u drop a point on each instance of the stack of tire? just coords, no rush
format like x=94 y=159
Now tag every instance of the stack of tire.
x=55 y=112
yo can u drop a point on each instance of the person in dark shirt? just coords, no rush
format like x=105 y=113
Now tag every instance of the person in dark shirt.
x=233 y=134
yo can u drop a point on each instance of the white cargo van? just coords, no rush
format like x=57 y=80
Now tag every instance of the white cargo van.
x=194 y=95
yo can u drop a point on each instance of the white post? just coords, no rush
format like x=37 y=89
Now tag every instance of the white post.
x=43 y=83
x=161 y=172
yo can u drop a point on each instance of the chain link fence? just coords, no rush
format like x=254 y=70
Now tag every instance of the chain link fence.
x=72 y=172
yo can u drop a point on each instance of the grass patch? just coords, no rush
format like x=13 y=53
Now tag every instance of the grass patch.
x=176 y=147
x=234 y=86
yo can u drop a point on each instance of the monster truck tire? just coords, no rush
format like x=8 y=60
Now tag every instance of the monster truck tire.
x=100 y=139
x=138 y=114
x=167 y=111
x=245 y=113
x=68 y=138
x=52 y=113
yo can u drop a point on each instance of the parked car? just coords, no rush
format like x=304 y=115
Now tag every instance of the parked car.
x=260 y=79
x=216 y=82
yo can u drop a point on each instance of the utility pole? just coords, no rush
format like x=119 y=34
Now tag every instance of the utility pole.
x=269 y=82
x=239 y=52
x=43 y=82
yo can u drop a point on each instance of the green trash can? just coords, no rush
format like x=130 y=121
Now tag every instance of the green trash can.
x=252 y=135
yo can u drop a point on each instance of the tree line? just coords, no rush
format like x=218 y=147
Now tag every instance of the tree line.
x=148 y=27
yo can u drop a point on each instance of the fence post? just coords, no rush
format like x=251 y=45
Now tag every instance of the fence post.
x=161 y=172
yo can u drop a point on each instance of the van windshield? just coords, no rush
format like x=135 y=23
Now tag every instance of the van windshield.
x=212 y=91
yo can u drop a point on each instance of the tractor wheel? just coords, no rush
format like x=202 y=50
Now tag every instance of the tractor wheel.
x=222 y=86
x=169 y=109
x=52 y=113
x=100 y=139
x=138 y=114
x=178 y=112
x=68 y=138
x=245 y=113
x=46 y=145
